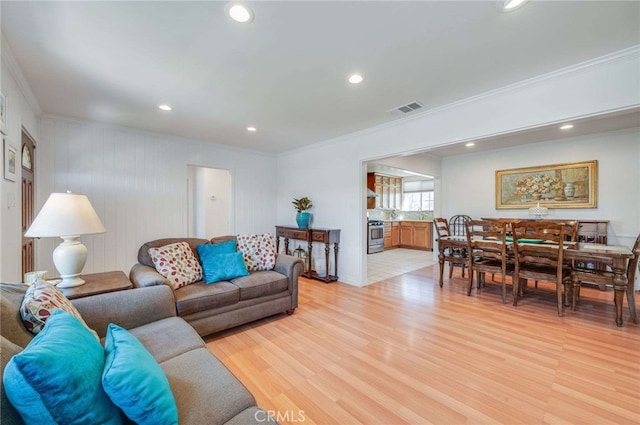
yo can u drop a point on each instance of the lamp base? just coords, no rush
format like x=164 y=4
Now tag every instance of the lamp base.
x=70 y=282
x=69 y=258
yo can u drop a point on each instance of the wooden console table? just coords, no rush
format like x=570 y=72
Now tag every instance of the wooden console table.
x=330 y=237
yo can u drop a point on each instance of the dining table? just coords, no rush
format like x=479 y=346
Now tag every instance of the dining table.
x=616 y=257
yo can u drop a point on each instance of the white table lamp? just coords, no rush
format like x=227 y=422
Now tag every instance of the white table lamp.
x=67 y=215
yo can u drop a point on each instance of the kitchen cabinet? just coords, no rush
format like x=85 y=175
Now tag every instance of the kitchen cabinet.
x=388 y=189
x=395 y=234
x=387 y=234
x=416 y=235
x=391 y=234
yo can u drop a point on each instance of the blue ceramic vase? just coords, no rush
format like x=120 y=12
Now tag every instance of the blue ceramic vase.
x=302 y=218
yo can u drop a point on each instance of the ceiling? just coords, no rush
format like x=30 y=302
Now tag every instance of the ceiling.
x=286 y=72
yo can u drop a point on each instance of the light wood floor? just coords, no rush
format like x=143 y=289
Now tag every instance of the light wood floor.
x=406 y=351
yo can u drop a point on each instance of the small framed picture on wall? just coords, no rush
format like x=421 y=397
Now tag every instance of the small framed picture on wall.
x=10 y=160
x=3 y=113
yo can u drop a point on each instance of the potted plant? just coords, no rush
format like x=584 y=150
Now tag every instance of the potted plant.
x=302 y=205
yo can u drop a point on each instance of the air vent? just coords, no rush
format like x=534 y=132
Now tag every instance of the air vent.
x=406 y=109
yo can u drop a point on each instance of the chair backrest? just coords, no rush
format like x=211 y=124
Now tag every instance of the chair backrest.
x=442 y=227
x=571 y=230
x=632 y=267
x=487 y=239
x=539 y=242
x=457 y=224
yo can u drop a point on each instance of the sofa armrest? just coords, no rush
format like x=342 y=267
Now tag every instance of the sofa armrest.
x=142 y=276
x=129 y=308
x=291 y=267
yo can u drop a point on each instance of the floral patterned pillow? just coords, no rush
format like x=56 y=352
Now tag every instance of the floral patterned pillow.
x=258 y=251
x=177 y=263
x=39 y=303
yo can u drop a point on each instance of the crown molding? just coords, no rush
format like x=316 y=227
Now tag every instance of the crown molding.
x=14 y=69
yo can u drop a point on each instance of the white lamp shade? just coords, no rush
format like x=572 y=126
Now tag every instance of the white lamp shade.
x=65 y=214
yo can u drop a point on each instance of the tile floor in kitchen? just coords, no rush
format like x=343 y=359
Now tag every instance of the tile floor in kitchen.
x=394 y=262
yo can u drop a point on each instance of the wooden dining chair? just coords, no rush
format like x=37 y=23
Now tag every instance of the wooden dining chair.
x=486 y=244
x=579 y=275
x=570 y=235
x=538 y=250
x=457 y=227
x=454 y=257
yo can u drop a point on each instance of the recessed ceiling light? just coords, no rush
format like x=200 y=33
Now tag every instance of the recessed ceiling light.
x=240 y=13
x=165 y=107
x=470 y=144
x=509 y=5
x=355 y=78
x=251 y=129
x=566 y=127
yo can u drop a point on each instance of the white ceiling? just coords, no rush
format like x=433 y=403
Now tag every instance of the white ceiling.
x=286 y=72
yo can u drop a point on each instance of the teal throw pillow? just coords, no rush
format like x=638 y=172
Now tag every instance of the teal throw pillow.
x=223 y=266
x=217 y=248
x=135 y=381
x=56 y=378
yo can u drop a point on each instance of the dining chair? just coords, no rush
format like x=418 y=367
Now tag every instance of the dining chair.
x=486 y=244
x=454 y=257
x=457 y=227
x=570 y=234
x=538 y=250
x=579 y=275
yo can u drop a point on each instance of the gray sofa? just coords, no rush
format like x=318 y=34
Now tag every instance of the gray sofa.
x=206 y=392
x=223 y=305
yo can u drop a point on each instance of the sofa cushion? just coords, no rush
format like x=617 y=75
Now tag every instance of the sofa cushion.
x=261 y=283
x=200 y=296
x=167 y=338
x=56 y=378
x=259 y=251
x=206 y=392
x=8 y=413
x=135 y=382
x=12 y=327
x=39 y=303
x=177 y=263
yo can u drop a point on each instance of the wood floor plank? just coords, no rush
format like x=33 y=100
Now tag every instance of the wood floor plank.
x=405 y=350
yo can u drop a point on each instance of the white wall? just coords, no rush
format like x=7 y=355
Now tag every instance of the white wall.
x=21 y=113
x=333 y=176
x=137 y=182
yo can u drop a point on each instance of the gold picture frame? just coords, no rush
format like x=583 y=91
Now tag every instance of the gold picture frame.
x=572 y=185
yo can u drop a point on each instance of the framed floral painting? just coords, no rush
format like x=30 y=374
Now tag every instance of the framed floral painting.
x=553 y=186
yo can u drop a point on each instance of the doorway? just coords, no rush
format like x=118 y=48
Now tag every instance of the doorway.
x=209 y=194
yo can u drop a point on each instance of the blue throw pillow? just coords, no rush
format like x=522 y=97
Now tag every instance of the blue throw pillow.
x=217 y=248
x=56 y=378
x=223 y=267
x=135 y=381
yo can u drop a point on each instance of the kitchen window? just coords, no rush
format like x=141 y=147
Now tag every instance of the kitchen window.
x=418 y=195
x=418 y=201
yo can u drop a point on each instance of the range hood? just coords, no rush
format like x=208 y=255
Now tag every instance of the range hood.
x=371 y=194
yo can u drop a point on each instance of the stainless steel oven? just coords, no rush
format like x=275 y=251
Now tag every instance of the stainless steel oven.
x=375 y=236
